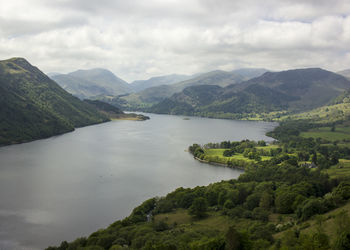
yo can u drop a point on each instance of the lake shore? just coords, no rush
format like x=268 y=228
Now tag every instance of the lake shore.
x=218 y=164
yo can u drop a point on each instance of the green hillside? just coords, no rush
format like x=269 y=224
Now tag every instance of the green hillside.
x=289 y=91
x=33 y=106
x=336 y=111
x=313 y=87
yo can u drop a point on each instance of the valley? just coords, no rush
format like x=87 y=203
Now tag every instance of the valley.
x=271 y=198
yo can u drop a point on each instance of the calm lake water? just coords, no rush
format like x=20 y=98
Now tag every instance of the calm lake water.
x=71 y=185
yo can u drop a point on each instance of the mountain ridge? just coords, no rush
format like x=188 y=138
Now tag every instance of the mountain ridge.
x=140 y=85
x=295 y=90
x=153 y=95
x=34 y=107
x=92 y=82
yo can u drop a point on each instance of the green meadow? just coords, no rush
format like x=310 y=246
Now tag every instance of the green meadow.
x=342 y=169
x=339 y=134
x=217 y=153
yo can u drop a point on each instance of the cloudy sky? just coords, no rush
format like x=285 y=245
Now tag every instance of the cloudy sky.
x=137 y=39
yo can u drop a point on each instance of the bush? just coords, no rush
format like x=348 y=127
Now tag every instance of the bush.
x=310 y=207
x=160 y=226
x=199 y=207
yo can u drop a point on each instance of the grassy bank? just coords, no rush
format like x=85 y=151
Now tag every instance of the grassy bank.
x=238 y=155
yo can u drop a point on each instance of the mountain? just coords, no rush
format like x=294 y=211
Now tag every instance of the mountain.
x=140 y=85
x=33 y=106
x=150 y=96
x=313 y=86
x=292 y=90
x=345 y=73
x=93 y=82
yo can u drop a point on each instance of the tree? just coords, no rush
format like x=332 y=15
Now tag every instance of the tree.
x=233 y=240
x=314 y=158
x=266 y=201
x=228 y=204
x=284 y=201
x=199 y=207
x=333 y=128
x=252 y=201
x=343 y=190
x=309 y=208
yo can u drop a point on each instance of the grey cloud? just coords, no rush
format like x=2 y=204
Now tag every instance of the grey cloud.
x=140 y=39
x=19 y=27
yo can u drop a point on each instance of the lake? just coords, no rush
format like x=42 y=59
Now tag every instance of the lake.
x=71 y=185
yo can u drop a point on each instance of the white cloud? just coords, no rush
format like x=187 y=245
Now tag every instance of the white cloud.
x=139 y=39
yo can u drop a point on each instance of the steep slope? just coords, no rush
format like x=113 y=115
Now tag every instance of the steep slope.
x=337 y=111
x=217 y=77
x=140 y=85
x=313 y=87
x=33 y=106
x=150 y=96
x=206 y=100
x=187 y=101
x=293 y=90
x=220 y=78
x=93 y=82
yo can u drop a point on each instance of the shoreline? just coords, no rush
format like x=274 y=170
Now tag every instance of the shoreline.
x=217 y=164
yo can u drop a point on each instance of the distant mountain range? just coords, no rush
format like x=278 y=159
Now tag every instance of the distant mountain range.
x=153 y=95
x=293 y=90
x=140 y=85
x=90 y=83
x=218 y=93
x=33 y=106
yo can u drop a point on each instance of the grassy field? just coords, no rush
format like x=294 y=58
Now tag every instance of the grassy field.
x=218 y=152
x=214 y=221
x=179 y=217
x=340 y=133
x=339 y=170
x=268 y=147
